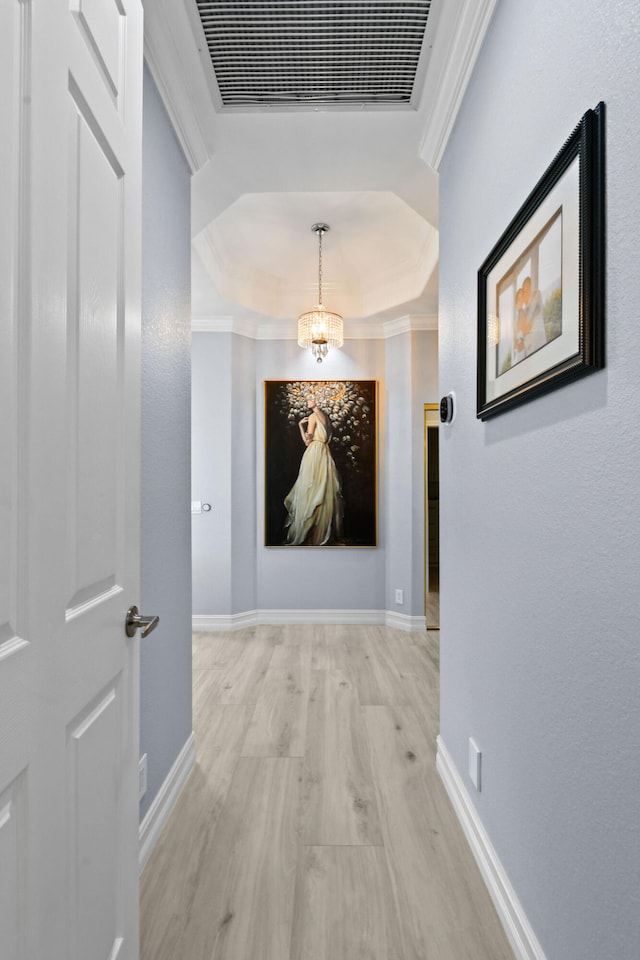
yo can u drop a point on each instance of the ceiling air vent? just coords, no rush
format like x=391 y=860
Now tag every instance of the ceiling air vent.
x=307 y=53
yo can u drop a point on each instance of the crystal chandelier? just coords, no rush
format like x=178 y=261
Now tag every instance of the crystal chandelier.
x=320 y=328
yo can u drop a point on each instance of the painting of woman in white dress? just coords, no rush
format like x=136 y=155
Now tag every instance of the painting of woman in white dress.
x=320 y=463
x=314 y=503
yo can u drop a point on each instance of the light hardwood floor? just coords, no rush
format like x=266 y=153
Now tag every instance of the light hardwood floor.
x=314 y=825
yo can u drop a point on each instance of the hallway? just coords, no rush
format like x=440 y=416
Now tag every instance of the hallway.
x=315 y=825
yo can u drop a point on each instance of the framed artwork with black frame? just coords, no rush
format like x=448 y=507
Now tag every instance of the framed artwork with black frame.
x=541 y=289
x=321 y=463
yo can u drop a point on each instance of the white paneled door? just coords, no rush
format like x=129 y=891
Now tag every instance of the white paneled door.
x=70 y=170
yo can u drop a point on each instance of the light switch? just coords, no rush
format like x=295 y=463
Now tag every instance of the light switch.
x=196 y=506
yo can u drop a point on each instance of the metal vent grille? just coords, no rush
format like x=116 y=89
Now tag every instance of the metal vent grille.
x=309 y=52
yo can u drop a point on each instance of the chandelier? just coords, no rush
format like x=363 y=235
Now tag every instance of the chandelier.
x=320 y=328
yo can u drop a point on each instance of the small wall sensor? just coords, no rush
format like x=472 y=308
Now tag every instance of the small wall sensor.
x=447 y=408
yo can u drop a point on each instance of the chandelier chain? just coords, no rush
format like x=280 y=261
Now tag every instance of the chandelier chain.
x=320 y=328
x=320 y=233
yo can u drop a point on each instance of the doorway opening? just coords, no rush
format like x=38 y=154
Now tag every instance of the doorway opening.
x=431 y=516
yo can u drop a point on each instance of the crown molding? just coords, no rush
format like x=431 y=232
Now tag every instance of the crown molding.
x=286 y=329
x=277 y=330
x=458 y=41
x=212 y=325
x=407 y=324
x=173 y=57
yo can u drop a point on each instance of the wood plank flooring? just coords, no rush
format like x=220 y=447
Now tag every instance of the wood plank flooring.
x=314 y=825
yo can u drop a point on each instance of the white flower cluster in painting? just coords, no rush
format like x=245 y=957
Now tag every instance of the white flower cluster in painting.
x=350 y=411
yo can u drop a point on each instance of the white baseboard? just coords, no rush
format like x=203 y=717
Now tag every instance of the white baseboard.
x=272 y=617
x=401 y=621
x=234 y=621
x=512 y=916
x=165 y=800
x=320 y=616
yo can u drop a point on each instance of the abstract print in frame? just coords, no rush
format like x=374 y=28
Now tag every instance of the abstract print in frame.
x=320 y=463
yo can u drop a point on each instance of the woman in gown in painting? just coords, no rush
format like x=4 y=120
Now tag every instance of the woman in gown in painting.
x=314 y=503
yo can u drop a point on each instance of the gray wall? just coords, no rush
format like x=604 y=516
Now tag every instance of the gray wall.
x=540 y=562
x=244 y=458
x=211 y=471
x=399 y=473
x=165 y=669
x=233 y=572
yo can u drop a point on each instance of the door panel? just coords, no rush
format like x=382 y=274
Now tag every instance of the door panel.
x=17 y=721
x=10 y=63
x=14 y=57
x=70 y=172
x=93 y=365
x=94 y=815
x=12 y=870
x=100 y=23
x=104 y=121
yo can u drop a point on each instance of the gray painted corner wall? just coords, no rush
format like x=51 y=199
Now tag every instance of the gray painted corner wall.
x=540 y=565
x=244 y=459
x=211 y=471
x=165 y=658
x=234 y=572
x=398 y=473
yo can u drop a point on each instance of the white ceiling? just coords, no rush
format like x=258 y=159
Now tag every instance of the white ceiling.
x=262 y=178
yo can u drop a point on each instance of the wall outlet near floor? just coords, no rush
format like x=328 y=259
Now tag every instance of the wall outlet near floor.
x=400 y=597
x=475 y=764
x=142 y=776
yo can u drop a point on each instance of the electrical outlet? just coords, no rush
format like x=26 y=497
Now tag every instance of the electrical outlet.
x=142 y=776
x=475 y=764
x=400 y=597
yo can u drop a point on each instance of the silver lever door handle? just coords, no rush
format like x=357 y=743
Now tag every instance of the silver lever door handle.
x=135 y=620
